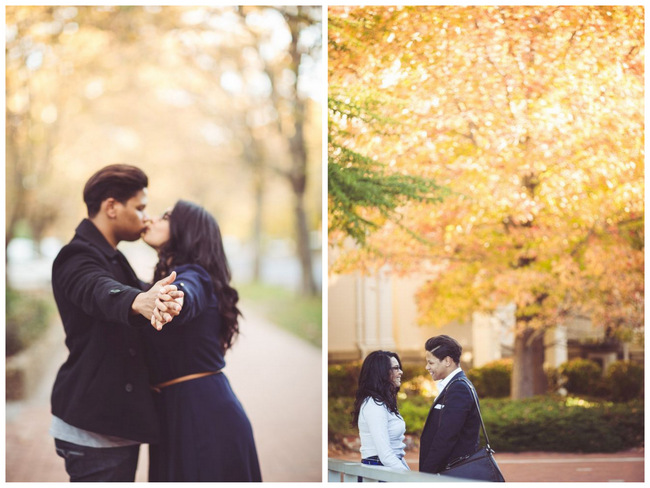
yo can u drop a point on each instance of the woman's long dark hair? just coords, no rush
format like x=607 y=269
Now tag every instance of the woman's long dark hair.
x=195 y=238
x=375 y=382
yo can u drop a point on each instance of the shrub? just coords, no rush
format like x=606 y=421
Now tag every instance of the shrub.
x=339 y=417
x=418 y=387
x=580 y=376
x=28 y=316
x=549 y=423
x=625 y=380
x=343 y=379
x=415 y=412
x=412 y=372
x=493 y=379
x=562 y=425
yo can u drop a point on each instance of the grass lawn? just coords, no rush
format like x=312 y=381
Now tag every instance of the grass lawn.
x=300 y=315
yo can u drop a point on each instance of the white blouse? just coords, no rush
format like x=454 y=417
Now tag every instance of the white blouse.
x=382 y=434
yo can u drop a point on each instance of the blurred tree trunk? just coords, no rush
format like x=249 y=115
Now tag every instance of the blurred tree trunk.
x=15 y=196
x=255 y=158
x=257 y=225
x=295 y=135
x=528 y=378
x=298 y=173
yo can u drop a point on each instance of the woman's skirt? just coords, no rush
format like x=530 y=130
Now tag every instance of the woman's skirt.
x=205 y=434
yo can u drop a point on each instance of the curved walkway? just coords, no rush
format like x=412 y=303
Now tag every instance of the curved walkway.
x=276 y=376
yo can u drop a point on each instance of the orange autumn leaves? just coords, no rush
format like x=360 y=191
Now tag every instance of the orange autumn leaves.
x=532 y=118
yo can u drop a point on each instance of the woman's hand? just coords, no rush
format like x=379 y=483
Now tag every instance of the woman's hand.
x=169 y=303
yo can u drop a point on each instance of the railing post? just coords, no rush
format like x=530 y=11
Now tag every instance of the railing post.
x=333 y=476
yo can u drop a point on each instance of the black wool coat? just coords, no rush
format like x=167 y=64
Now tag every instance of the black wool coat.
x=452 y=427
x=103 y=386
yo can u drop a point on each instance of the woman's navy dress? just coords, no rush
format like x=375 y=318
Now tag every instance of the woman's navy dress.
x=205 y=433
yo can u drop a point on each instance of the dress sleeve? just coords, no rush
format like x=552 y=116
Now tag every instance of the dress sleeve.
x=196 y=284
x=86 y=283
x=377 y=417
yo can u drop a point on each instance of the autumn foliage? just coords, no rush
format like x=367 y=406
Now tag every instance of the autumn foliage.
x=533 y=119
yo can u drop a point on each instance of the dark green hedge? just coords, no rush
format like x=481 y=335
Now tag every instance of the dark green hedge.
x=563 y=425
x=580 y=376
x=339 y=417
x=625 y=380
x=493 y=379
x=28 y=315
x=342 y=378
x=552 y=424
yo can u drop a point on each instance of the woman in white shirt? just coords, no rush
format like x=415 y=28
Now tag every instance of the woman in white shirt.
x=381 y=428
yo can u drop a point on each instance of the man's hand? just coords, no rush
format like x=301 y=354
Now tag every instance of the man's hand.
x=145 y=303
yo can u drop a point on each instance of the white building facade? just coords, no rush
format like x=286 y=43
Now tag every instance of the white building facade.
x=370 y=312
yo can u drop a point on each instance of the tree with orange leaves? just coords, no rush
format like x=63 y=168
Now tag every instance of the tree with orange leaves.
x=533 y=118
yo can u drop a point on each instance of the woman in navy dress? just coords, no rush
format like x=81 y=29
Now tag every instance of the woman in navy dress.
x=206 y=435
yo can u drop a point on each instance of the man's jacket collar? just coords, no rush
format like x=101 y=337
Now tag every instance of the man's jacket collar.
x=458 y=375
x=89 y=232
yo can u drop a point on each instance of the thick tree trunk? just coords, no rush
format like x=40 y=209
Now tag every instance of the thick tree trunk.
x=304 y=249
x=528 y=378
x=298 y=174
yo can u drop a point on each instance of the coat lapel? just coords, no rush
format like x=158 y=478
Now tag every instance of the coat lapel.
x=444 y=390
x=441 y=395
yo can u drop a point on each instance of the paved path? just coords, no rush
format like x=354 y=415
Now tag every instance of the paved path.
x=276 y=376
x=554 y=467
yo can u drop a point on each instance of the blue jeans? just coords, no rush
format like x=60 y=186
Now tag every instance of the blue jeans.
x=98 y=463
x=371 y=461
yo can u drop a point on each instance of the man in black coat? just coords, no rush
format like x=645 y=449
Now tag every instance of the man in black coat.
x=452 y=427
x=101 y=400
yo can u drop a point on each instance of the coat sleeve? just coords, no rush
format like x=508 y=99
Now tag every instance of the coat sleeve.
x=83 y=279
x=196 y=284
x=376 y=417
x=458 y=405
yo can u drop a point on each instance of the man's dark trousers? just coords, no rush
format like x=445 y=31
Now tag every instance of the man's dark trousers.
x=98 y=463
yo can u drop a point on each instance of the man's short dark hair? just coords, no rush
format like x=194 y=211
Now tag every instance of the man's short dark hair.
x=118 y=181
x=442 y=346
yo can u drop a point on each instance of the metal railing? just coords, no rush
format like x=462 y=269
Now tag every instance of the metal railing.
x=347 y=471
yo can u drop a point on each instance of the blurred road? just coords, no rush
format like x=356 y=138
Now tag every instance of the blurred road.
x=276 y=376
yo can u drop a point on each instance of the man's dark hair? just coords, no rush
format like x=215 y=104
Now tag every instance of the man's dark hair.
x=442 y=346
x=118 y=181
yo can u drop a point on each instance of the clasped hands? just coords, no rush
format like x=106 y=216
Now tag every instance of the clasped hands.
x=161 y=303
x=169 y=303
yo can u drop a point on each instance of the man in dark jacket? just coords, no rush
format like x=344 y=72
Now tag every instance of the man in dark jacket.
x=101 y=400
x=452 y=427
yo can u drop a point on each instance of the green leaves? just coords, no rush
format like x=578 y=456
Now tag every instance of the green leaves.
x=362 y=193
